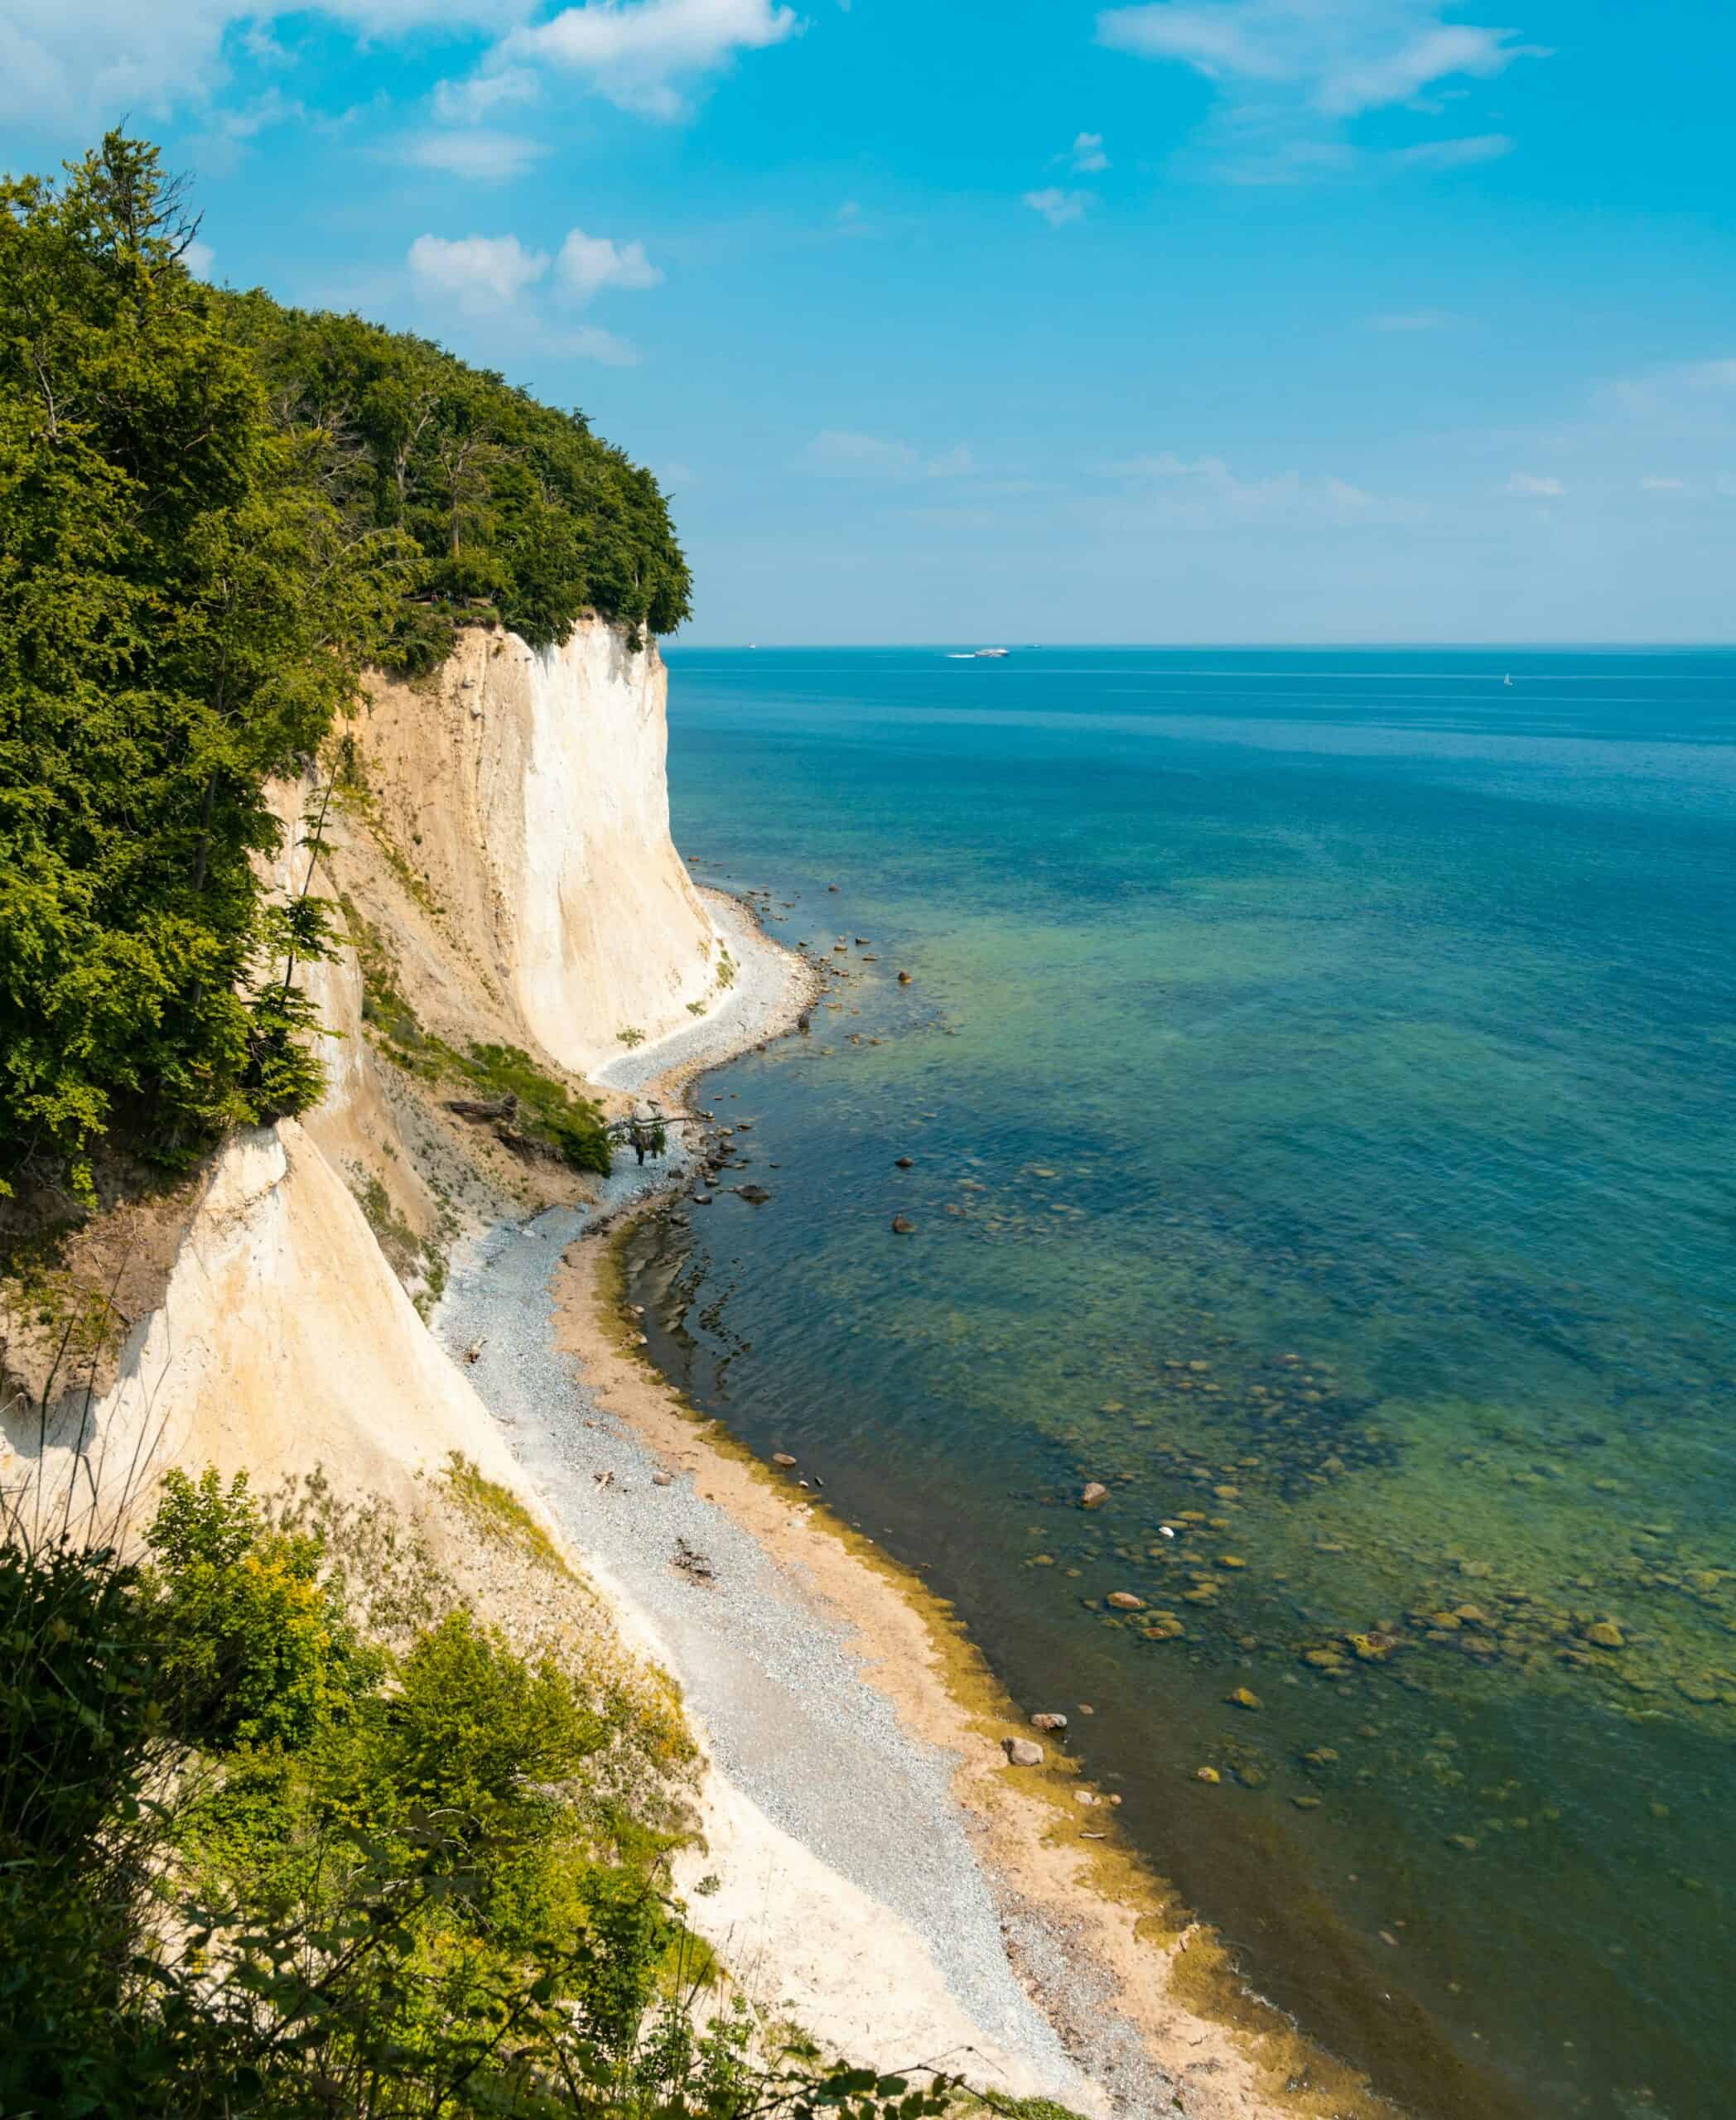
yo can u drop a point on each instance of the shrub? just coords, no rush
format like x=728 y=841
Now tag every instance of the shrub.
x=254 y=1647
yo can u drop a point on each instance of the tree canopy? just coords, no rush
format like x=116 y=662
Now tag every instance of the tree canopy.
x=215 y=513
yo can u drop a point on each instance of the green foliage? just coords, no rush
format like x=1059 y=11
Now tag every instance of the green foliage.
x=572 y=1124
x=415 y=1895
x=255 y=1647
x=182 y=611
x=518 y=511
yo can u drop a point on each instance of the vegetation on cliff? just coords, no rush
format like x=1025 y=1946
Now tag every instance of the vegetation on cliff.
x=253 y=1862
x=215 y=513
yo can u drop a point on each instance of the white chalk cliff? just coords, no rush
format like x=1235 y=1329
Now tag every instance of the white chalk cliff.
x=529 y=788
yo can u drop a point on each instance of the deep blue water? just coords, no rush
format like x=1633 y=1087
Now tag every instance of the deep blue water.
x=1317 y=1074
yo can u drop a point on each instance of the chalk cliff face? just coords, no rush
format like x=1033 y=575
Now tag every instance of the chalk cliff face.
x=511 y=863
x=528 y=787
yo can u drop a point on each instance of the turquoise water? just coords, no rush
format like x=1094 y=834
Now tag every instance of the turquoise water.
x=1317 y=1074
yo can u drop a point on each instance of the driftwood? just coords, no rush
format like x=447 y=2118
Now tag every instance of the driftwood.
x=498 y=1107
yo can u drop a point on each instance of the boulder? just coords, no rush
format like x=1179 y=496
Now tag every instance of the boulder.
x=902 y=1225
x=1124 y=1601
x=1095 y=1493
x=1048 y=1721
x=1020 y=1751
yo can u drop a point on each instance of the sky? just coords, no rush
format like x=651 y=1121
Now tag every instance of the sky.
x=941 y=320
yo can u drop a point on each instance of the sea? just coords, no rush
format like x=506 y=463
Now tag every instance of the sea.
x=1312 y=1099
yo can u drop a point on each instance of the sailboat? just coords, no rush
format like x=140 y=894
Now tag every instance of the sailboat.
x=1508 y=681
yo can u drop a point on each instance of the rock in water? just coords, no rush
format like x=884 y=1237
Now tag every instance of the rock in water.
x=756 y=1196
x=1020 y=1751
x=1095 y=1492
x=1124 y=1601
x=1048 y=1721
x=783 y=1458
x=902 y=1225
x=903 y=979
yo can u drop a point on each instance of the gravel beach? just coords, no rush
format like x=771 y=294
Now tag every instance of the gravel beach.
x=835 y=1813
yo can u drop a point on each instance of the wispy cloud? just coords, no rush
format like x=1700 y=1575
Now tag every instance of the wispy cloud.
x=1451 y=154
x=479 y=154
x=1296 y=72
x=485 y=95
x=1656 y=485
x=1056 y=207
x=842 y=452
x=1526 y=485
x=649 y=55
x=1086 y=157
x=1208 y=484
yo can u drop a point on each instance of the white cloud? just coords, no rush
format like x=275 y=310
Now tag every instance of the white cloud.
x=1654 y=485
x=644 y=54
x=467 y=103
x=477 y=273
x=1412 y=320
x=1292 y=70
x=841 y=452
x=78 y=63
x=199 y=258
x=1524 y=486
x=1452 y=154
x=1086 y=156
x=1057 y=207
x=1397 y=76
x=589 y=342
x=479 y=154
x=589 y=262
x=1208 y=483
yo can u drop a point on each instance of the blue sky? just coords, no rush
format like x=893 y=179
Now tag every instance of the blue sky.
x=1242 y=320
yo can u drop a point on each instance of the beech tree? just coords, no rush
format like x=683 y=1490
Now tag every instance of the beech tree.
x=182 y=612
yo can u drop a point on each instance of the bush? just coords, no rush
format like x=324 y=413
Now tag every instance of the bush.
x=253 y=1647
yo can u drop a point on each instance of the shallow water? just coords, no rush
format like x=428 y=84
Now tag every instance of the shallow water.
x=1317 y=1074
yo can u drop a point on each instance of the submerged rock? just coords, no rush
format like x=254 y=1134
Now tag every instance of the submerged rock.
x=1124 y=1601
x=1093 y=1495
x=1048 y=1721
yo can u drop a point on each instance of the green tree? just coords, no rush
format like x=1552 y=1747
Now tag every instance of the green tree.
x=182 y=612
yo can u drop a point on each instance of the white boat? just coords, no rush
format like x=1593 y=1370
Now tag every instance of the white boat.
x=991 y=654
x=1508 y=681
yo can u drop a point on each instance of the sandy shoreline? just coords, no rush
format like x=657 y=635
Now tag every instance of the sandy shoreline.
x=884 y=1877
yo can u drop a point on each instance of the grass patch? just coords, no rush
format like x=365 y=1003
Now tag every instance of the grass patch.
x=548 y=1109
x=419 y=1262
x=500 y=1514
